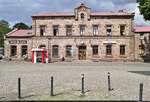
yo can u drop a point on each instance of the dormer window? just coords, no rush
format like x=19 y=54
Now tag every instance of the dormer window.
x=82 y=15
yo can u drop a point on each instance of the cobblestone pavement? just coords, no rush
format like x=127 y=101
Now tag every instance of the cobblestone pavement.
x=35 y=80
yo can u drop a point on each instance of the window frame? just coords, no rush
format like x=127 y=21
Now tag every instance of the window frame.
x=109 y=33
x=95 y=50
x=42 y=46
x=142 y=34
x=122 y=32
x=67 y=26
x=82 y=16
x=13 y=55
x=42 y=31
x=95 y=31
x=69 y=50
x=57 y=32
x=108 y=50
x=82 y=31
x=55 y=51
x=24 y=49
x=122 y=50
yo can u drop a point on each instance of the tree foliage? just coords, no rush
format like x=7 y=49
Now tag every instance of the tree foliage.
x=20 y=26
x=144 y=7
x=4 y=29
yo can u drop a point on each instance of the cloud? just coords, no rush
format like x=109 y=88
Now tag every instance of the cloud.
x=139 y=19
x=22 y=10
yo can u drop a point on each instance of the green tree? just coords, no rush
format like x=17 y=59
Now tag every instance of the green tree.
x=4 y=29
x=20 y=26
x=5 y=23
x=144 y=7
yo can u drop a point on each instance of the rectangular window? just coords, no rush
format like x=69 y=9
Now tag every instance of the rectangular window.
x=122 y=50
x=68 y=30
x=122 y=30
x=42 y=30
x=141 y=49
x=82 y=30
x=55 y=30
x=68 y=50
x=13 y=50
x=95 y=30
x=109 y=50
x=108 y=30
x=141 y=36
x=24 y=50
x=55 y=50
x=95 y=50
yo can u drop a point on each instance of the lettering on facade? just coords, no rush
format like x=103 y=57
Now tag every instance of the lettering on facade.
x=17 y=41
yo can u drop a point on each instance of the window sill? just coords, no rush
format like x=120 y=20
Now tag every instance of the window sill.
x=56 y=56
x=95 y=35
x=69 y=56
x=109 y=56
x=13 y=56
x=95 y=56
x=122 y=35
x=123 y=56
x=109 y=35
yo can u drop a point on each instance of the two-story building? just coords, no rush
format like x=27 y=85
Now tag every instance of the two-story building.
x=78 y=35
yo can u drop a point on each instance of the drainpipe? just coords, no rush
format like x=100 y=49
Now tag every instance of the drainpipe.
x=134 y=47
x=49 y=49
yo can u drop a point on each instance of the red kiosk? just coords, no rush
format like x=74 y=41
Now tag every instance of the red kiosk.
x=39 y=56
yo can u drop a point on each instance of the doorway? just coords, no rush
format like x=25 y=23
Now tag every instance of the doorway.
x=82 y=52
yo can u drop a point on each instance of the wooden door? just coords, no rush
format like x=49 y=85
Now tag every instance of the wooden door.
x=82 y=53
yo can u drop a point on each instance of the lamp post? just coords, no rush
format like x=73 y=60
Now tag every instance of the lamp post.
x=49 y=48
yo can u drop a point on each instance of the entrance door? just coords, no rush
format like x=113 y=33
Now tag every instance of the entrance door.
x=82 y=52
x=39 y=57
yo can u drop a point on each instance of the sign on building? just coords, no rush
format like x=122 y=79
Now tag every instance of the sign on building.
x=17 y=41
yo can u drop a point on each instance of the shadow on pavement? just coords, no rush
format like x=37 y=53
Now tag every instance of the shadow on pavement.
x=29 y=96
x=141 y=72
x=2 y=97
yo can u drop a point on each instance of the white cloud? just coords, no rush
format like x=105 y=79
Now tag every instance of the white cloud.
x=139 y=19
x=22 y=10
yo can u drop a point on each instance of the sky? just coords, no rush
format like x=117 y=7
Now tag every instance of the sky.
x=15 y=11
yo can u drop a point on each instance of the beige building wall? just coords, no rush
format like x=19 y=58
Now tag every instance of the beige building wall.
x=142 y=55
x=129 y=40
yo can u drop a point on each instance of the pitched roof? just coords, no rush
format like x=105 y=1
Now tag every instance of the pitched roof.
x=142 y=29
x=122 y=12
x=20 y=33
x=111 y=13
x=56 y=14
x=92 y=14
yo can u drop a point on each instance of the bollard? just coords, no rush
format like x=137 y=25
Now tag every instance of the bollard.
x=19 y=88
x=82 y=84
x=52 y=86
x=141 y=92
x=109 y=88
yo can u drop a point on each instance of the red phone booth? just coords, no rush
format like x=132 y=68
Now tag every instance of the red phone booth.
x=39 y=56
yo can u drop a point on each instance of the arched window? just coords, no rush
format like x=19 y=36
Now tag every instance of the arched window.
x=42 y=46
x=82 y=15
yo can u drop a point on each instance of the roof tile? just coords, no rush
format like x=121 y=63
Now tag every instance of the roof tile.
x=20 y=33
x=142 y=29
